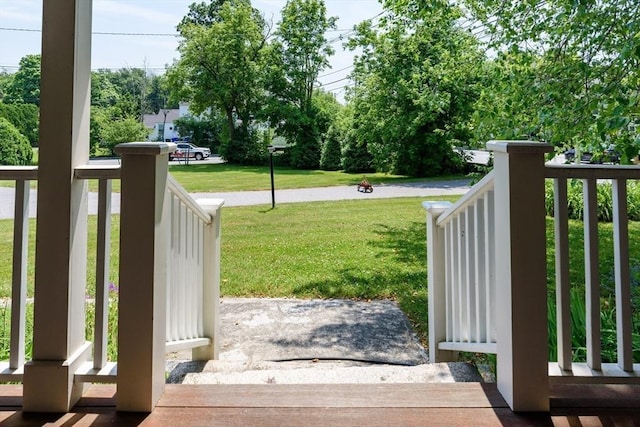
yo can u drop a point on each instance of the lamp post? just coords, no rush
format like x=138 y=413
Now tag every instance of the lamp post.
x=272 y=150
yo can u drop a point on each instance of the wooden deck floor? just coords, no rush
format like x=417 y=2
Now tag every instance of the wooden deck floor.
x=458 y=404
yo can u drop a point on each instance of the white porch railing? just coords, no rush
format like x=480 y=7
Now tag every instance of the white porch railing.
x=12 y=370
x=179 y=261
x=487 y=275
x=463 y=298
x=594 y=370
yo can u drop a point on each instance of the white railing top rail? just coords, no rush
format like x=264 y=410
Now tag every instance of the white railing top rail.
x=182 y=194
x=477 y=191
x=98 y=172
x=12 y=173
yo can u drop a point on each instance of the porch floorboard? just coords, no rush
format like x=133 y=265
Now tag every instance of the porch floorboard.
x=452 y=404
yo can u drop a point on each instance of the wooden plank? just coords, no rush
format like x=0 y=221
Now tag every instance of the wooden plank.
x=326 y=417
x=596 y=396
x=571 y=405
x=460 y=395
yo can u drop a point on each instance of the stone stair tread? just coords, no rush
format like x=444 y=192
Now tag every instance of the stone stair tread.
x=334 y=372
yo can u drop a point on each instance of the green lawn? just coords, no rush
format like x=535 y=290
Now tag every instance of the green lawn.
x=366 y=249
x=223 y=177
x=207 y=177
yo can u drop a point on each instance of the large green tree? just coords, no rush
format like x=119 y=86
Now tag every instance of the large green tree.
x=222 y=68
x=300 y=52
x=578 y=65
x=417 y=80
x=24 y=87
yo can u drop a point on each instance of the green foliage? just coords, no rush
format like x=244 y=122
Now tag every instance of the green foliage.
x=202 y=14
x=221 y=68
x=566 y=71
x=297 y=56
x=5 y=330
x=416 y=85
x=25 y=117
x=14 y=147
x=203 y=131
x=331 y=156
x=575 y=202
x=248 y=147
x=305 y=153
x=579 y=329
x=24 y=87
x=356 y=157
x=123 y=130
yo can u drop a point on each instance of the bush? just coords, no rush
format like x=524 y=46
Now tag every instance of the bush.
x=247 y=148
x=330 y=158
x=575 y=202
x=14 y=147
x=124 y=130
x=24 y=117
x=356 y=158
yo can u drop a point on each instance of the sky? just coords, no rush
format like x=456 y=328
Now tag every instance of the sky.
x=20 y=23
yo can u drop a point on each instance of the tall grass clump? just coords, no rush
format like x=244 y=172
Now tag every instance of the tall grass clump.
x=5 y=329
x=575 y=201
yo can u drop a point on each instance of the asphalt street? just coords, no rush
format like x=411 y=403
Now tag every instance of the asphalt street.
x=247 y=198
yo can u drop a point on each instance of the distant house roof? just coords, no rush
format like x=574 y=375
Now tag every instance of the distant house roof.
x=150 y=120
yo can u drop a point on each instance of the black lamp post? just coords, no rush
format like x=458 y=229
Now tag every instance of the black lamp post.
x=272 y=150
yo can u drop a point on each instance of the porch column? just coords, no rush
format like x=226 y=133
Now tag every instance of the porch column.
x=61 y=236
x=521 y=291
x=144 y=254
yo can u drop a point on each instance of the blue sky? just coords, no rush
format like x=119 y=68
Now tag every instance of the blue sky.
x=157 y=17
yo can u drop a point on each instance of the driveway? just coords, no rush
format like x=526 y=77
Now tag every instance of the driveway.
x=246 y=198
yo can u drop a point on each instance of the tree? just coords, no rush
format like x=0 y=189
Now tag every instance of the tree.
x=14 y=147
x=416 y=85
x=119 y=131
x=24 y=87
x=331 y=156
x=25 y=117
x=202 y=14
x=300 y=53
x=222 y=68
x=581 y=60
x=158 y=95
x=203 y=131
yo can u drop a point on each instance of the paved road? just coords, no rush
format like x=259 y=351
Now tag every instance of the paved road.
x=246 y=198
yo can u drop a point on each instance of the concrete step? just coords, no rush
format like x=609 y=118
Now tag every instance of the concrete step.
x=319 y=372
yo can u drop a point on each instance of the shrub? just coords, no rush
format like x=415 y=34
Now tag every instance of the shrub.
x=14 y=147
x=330 y=158
x=575 y=201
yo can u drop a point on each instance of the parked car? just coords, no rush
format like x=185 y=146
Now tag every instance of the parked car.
x=186 y=150
x=608 y=156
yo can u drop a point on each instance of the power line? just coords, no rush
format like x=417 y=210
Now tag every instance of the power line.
x=336 y=71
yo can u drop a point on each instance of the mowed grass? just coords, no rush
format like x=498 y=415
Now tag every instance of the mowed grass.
x=349 y=249
x=361 y=250
x=368 y=249
x=197 y=177
x=207 y=177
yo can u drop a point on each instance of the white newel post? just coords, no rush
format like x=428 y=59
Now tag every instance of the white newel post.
x=521 y=293
x=144 y=253
x=436 y=283
x=211 y=279
x=59 y=344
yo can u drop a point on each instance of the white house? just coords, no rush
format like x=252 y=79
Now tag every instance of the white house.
x=161 y=125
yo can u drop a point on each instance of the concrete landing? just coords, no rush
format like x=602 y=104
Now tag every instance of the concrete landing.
x=293 y=341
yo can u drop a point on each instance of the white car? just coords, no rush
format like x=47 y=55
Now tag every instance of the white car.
x=186 y=150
